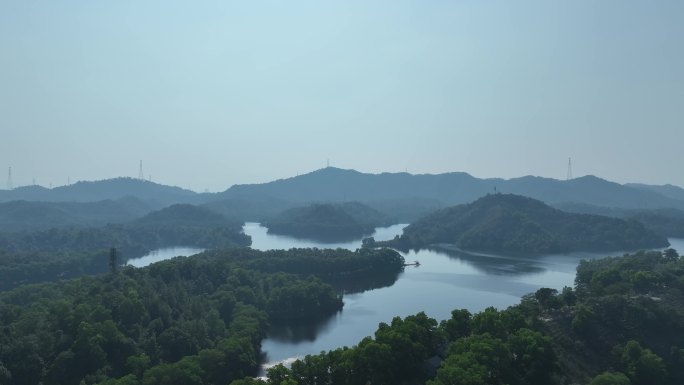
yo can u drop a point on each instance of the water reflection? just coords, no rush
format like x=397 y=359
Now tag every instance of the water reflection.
x=493 y=264
x=364 y=283
x=301 y=331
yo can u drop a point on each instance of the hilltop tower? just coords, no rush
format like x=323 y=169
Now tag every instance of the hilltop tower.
x=141 y=176
x=10 y=185
x=569 y=175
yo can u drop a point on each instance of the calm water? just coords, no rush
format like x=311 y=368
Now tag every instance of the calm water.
x=261 y=240
x=443 y=282
x=162 y=254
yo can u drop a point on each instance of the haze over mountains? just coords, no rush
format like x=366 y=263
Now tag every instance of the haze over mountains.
x=338 y=185
x=153 y=194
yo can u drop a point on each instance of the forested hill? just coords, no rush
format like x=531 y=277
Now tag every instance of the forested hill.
x=328 y=221
x=509 y=223
x=25 y=215
x=44 y=255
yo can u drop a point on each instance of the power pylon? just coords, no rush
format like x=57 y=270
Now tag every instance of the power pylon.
x=10 y=185
x=141 y=176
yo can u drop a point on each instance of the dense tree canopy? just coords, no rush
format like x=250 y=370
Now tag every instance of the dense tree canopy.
x=196 y=320
x=44 y=255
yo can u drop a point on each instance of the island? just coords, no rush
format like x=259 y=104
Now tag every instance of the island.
x=513 y=224
x=328 y=222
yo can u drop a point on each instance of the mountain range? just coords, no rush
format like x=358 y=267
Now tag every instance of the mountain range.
x=402 y=195
x=337 y=185
x=152 y=194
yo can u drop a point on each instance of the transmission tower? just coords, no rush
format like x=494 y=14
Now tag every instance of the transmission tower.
x=10 y=185
x=569 y=175
x=141 y=176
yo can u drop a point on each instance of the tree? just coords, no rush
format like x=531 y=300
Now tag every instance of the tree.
x=175 y=343
x=278 y=374
x=184 y=372
x=533 y=356
x=643 y=366
x=610 y=378
x=458 y=325
x=546 y=297
x=488 y=321
x=213 y=363
x=477 y=360
x=670 y=254
x=113 y=260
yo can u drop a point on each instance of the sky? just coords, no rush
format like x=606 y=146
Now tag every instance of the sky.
x=214 y=93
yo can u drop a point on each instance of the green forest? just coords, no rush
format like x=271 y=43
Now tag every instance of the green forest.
x=201 y=320
x=513 y=224
x=196 y=320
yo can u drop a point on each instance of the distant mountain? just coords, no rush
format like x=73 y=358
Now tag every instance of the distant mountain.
x=328 y=222
x=403 y=196
x=337 y=185
x=666 y=222
x=25 y=215
x=506 y=223
x=253 y=209
x=406 y=210
x=153 y=194
x=589 y=190
x=667 y=190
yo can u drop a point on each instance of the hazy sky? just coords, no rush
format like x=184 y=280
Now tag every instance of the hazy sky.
x=212 y=93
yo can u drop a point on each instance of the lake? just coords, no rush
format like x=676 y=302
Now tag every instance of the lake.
x=444 y=281
x=162 y=254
